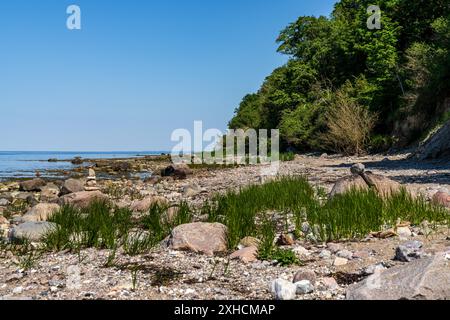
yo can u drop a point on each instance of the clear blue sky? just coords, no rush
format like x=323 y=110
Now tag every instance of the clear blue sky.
x=136 y=71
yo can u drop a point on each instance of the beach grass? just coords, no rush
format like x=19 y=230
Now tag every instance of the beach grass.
x=263 y=211
x=352 y=215
x=105 y=226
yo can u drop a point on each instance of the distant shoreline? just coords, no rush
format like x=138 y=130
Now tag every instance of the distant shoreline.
x=24 y=164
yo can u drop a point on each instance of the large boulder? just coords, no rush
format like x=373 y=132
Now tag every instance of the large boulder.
x=82 y=199
x=41 y=212
x=33 y=231
x=72 y=186
x=423 y=279
x=385 y=186
x=201 y=237
x=145 y=204
x=32 y=185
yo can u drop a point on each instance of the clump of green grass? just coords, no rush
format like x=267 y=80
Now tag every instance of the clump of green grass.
x=160 y=220
x=99 y=226
x=18 y=206
x=137 y=243
x=357 y=213
x=27 y=254
x=284 y=257
x=104 y=226
x=348 y=216
x=351 y=215
x=240 y=211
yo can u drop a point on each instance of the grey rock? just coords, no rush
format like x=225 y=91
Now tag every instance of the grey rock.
x=4 y=202
x=304 y=287
x=357 y=168
x=50 y=193
x=423 y=279
x=346 y=254
x=33 y=231
x=409 y=251
x=325 y=254
x=334 y=247
x=23 y=195
x=7 y=195
x=32 y=185
x=373 y=269
x=72 y=186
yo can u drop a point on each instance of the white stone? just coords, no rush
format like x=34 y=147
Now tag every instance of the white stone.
x=283 y=289
x=17 y=290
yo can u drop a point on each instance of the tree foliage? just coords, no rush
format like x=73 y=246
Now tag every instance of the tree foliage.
x=398 y=71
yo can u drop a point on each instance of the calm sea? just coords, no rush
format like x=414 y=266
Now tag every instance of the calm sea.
x=24 y=164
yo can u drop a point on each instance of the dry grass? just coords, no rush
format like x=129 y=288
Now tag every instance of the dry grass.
x=349 y=126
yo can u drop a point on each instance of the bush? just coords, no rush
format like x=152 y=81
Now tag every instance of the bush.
x=349 y=125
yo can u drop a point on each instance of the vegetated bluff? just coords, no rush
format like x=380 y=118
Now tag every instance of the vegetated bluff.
x=388 y=85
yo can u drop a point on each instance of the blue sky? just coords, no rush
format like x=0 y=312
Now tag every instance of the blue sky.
x=136 y=71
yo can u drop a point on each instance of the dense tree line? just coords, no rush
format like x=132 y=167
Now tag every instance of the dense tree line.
x=387 y=85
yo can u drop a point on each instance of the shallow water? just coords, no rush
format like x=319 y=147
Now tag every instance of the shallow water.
x=24 y=164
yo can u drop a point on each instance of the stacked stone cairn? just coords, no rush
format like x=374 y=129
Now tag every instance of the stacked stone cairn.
x=91 y=183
